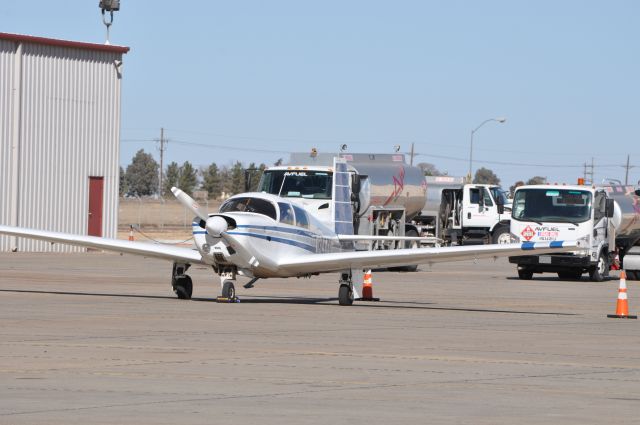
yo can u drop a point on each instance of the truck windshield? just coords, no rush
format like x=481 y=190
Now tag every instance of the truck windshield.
x=499 y=193
x=555 y=205
x=297 y=183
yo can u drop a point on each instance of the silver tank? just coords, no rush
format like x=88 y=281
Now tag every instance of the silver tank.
x=391 y=185
x=626 y=216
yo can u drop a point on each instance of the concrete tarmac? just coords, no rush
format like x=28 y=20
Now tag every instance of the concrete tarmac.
x=100 y=339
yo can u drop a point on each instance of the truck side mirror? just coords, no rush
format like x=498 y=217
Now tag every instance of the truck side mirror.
x=500 y=205
x=609 y=208
x=355 y=183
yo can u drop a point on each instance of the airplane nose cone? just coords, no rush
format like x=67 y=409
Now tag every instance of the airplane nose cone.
x=216 y=225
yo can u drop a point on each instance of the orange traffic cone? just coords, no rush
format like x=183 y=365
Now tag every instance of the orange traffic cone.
x=130 y=233
x=622 y=308
x=367 y=288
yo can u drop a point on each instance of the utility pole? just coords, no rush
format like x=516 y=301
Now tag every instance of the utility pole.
x=626 y=174
x=590 y=173
x=411 y=163
x=162 y=148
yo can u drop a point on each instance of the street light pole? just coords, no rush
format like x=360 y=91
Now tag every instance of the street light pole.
x=499 y=120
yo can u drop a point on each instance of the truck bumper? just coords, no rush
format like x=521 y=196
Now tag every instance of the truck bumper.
x=551 y=263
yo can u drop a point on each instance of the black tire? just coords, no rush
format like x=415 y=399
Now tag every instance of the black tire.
x=576 y=275
x=525 y=274
x=345 y=295
x=408 y=244
x=501 y=235
x=183 y=287
x=632 y=275
x=228 y=290
x=601 y=271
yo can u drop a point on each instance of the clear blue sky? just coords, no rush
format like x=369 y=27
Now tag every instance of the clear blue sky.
x=261 y=76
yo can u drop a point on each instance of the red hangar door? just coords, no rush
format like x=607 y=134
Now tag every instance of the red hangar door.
x=96 y=186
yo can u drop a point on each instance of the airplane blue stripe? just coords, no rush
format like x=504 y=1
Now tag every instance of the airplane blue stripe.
x=276 y=239
x=279 y=229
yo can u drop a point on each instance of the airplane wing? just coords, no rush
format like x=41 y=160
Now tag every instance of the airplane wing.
x=384 y=238
x=165 y=252
x=400 y=257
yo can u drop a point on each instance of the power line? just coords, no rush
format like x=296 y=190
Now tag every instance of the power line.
x=453 y=158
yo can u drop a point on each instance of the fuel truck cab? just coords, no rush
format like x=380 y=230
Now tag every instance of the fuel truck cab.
x=604 y=220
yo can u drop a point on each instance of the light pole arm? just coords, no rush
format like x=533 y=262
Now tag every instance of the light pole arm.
x=500 y=120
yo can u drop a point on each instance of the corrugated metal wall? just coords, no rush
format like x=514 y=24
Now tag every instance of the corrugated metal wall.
x=69 y=131
x=7 y=54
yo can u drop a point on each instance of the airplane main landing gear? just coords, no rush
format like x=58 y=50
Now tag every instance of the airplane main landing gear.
x=181 y=282
x=345 y=293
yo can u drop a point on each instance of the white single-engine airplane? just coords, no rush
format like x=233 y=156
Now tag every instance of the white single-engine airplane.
x=259 y=235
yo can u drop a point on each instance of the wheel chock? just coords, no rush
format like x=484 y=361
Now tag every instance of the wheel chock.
x=227 y=300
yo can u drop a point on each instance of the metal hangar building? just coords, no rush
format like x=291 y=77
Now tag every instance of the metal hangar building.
x=60 y=138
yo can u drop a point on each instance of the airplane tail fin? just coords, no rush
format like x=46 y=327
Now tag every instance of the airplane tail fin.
x=341 y=191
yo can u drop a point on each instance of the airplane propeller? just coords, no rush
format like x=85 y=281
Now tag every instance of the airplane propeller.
x=215 y=225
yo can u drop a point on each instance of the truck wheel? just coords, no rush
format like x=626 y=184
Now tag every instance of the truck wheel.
x=525 y=274
x=601 y=270
x=501 y=235
x=632 y=275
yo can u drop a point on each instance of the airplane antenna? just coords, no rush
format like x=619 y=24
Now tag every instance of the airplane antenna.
x=282 y=185
x=108 y=6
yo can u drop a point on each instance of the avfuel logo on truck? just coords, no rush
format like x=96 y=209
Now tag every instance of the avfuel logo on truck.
x=544 y=233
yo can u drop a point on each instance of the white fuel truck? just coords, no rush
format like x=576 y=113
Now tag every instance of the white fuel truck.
x=464 y=214
x=606 y=219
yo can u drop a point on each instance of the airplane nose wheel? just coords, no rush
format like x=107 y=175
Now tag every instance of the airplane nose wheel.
x=228 y=290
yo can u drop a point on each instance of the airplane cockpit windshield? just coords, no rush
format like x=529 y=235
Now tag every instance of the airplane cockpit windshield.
x=250 y=205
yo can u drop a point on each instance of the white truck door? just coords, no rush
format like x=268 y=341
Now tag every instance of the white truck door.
x=479 y=208
x=600 y=221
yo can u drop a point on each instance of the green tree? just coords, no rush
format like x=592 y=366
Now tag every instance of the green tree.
x=537 y=180
x=211 y=181
x=171 y=178
x=429 y=169
x=188 y=179
x=519 y=183
x=225 y=180
x=254 y=173
x=122 y=189
x=486 y=176
x=236 y=184
x=142 y=175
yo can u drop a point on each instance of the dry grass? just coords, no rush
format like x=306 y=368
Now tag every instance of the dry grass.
x=157 y=219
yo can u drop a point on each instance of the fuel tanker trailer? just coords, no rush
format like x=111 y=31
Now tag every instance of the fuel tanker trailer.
x=606 y=219
x=386 y=193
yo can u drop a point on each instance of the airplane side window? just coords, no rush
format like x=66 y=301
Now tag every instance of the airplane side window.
x=301 y=217
x=286 y=213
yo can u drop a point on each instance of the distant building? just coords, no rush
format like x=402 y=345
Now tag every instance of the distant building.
x=59 y=138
